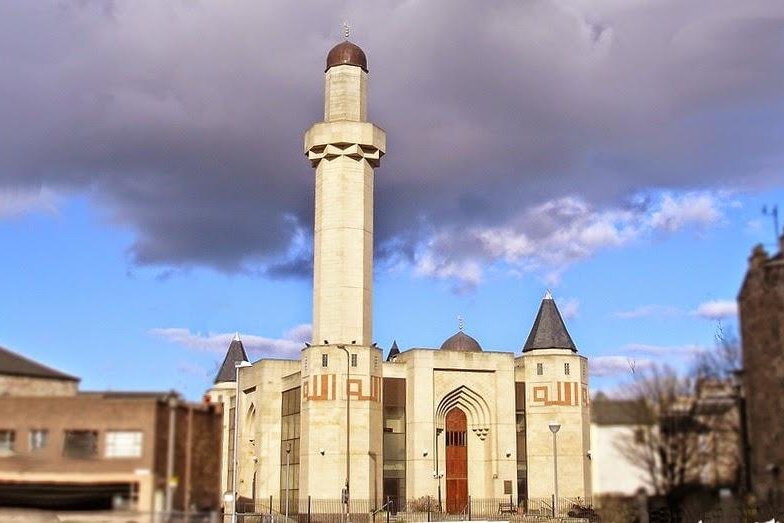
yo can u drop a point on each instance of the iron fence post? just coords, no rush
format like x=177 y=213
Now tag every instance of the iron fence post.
x=308 y=509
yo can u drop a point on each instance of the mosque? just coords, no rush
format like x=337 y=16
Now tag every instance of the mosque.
x=344 y=422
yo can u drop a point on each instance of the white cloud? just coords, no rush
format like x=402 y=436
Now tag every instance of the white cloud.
x=570 y=308
x=287 y=346
x=607 y=366
x=646 y=311
x=690 y=209
x=18 y=202
x=717 y=310
x=659 y=351
x=550 y=237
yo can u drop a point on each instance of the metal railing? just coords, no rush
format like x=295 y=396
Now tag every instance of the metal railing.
x=423 y=509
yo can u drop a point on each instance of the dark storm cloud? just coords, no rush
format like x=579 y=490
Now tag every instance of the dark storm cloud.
x=184 y=120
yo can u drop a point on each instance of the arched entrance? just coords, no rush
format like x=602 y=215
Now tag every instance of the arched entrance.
x=456 y=461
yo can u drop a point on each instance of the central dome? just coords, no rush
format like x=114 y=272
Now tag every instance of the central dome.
x=346 y=53
x=461 y=342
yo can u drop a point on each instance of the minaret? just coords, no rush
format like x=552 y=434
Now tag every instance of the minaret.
x=344 y=149
x=341 y=442
x=556 y=381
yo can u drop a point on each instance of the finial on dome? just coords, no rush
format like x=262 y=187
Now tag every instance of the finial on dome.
x=460 y=323
x=548 y=295
x=346 y=29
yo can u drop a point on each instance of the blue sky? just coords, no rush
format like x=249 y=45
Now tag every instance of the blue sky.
x=76 y=302
x=154 y=198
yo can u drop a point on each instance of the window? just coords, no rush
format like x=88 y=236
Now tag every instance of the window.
x=325 y=360
x=289 y=439
x=7 y=438
x=566 y=369
x=38 y=439
x=353 y=360
x=539 y=369
x=124 y=444
x=455 y=438
x=80 y=444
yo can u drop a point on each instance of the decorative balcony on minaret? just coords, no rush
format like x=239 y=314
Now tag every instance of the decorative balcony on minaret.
x=344 y=149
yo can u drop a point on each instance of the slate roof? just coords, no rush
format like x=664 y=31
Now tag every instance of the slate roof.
x=394 y=351
x=234 y=355
x=13 y=364
x=605 y=411
x=549 y=330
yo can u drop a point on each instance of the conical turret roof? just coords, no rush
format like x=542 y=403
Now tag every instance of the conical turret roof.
x=549 y=330
x=394 y=351
x=235 y=354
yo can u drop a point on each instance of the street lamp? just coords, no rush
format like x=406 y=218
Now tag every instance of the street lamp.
x=237 y=366
x=554 y=428
x=346 y=497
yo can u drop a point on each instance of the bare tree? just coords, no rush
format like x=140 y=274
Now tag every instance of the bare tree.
x=723 y=360
x=665 y=440
x=717 y=409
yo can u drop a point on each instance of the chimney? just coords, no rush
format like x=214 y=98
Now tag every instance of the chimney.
x=758 y=258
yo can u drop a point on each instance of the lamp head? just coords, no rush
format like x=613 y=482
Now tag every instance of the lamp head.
x=243 y=363
x=554 y=427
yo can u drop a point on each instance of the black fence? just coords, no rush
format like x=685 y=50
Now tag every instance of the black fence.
x=424 y=509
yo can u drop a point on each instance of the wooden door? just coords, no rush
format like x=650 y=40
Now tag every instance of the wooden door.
x=456 y=462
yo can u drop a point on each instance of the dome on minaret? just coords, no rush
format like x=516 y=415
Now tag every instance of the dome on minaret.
x=347 y=53
x=461 y=342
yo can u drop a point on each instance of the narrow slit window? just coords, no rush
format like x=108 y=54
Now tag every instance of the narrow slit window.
x=353 y=360
x=325 y=360
x=566 y=369
x=539 y=369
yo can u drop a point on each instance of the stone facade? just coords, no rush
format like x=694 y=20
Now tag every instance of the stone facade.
x=761 y=303
x=509 y=446
x=448 y=423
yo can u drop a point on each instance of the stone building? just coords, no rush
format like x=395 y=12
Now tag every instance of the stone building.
x=62 y=448
x=761 y=304
x=451 y=422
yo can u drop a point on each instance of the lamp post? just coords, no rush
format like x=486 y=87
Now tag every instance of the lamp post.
x=237 y=366
x=288 y=465
x=171 y=400
x=554 y=428
x=346 y=497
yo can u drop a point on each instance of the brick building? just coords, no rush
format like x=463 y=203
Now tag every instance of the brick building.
x=761 y=302
x=61 y=448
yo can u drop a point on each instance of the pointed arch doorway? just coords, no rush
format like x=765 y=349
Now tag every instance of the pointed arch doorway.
x=456 y=461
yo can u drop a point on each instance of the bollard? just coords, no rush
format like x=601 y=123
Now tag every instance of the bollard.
x=469 y=508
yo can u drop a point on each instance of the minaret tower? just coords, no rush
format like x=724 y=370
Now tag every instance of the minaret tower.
x=344 y=149
x=341 y=445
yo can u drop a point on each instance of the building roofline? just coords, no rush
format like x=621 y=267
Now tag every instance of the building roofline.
x=27 y=367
